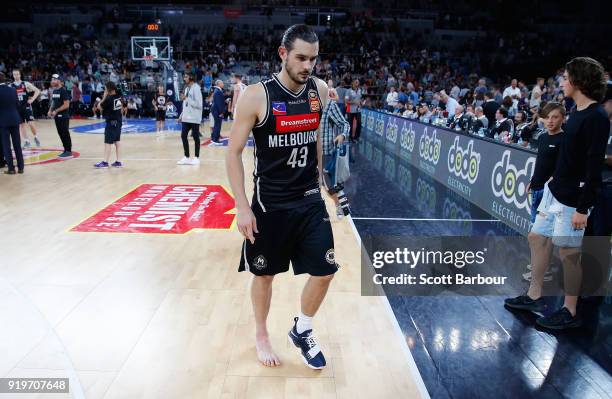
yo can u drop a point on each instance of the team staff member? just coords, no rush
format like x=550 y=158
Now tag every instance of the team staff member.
x=9 y=126
x=217 y=110
x=111 y=108
x=59 y=110
x=190 y=119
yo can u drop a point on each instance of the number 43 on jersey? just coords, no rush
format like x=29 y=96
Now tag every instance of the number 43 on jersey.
x=302 y=153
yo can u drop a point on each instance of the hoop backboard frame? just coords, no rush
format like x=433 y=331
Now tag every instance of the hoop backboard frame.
x=145 y=47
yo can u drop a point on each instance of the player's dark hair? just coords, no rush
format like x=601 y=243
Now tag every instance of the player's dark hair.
x=190 y=76
x=110 y=86
x=503 y=111
x=298 y=31
x=587 y=75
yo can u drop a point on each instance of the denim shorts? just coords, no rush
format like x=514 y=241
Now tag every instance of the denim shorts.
x=555 y=220
x=536 y=198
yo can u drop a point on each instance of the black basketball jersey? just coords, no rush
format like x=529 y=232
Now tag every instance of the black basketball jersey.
x=111 y=107
x=161 y=100
x=22 y=93
x=286 y=172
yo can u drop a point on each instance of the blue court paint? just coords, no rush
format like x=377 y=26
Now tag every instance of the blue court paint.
x=130 y=126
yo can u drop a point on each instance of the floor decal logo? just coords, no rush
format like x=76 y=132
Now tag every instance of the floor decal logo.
x=164 y=209
x=41 y=156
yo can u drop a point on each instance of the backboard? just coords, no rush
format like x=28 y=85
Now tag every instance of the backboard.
x=149 y=48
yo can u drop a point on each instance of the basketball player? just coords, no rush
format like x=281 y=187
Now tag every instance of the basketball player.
x=239 y=88
x=25 y=107
x=111 y=107
x=160 y=104
x=287 y=220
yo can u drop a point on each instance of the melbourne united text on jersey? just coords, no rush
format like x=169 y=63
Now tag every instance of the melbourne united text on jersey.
x=295 y=138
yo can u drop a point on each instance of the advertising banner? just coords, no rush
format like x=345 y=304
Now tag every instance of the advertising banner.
x=490 y=175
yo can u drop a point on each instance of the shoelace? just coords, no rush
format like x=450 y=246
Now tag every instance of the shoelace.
x=310 y=341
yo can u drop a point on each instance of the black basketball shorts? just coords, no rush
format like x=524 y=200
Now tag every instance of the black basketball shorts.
x=26 y=114
x=160 y=115
x=112 y=132
x=302 y=236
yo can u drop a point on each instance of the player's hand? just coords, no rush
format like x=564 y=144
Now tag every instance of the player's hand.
x=247 y=224
x=339 y=139
x=579 y=221
x=30 y=101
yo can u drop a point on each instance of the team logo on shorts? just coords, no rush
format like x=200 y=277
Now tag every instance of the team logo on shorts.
x=330 y=256
x=260 y=262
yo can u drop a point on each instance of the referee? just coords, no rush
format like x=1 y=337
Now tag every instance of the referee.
x=60 y=111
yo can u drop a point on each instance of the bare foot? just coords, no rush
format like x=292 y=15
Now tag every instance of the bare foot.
x=265 y=354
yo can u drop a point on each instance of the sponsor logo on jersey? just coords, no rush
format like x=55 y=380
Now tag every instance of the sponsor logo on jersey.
x=315 y=105
x=312 y=94
x=279 y=108
x=297 y=123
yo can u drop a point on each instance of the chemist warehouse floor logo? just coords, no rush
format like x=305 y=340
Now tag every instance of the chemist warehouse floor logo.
x=164 y=209
x=510 y=183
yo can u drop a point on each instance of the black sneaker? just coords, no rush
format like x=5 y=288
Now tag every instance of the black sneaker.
x=559 y=320
x=9 y=172
x=523 y=302
x=65 y=155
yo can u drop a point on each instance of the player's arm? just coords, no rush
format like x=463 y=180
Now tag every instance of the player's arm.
x=323 y=95
x=248 y=104
x=154 y=104
x=31 y=88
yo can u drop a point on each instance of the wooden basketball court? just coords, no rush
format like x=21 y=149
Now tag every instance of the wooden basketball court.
x=168 y=316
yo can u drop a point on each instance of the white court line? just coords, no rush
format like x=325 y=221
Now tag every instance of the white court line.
x=147 y=159
x=398 y=331
x=430 y=220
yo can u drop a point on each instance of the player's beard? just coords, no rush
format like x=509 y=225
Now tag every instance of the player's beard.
x=297 y=77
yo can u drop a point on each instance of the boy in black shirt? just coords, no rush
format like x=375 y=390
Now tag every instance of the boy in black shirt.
x=111 y=107
x=60 y=111
x=548 y=149
x=569 y=196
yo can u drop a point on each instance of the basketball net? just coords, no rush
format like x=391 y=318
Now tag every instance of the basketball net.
x=148 y=58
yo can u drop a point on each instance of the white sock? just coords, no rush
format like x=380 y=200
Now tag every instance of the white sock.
x=304 y=323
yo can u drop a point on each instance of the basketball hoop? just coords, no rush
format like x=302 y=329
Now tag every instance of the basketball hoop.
x=148 y=58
